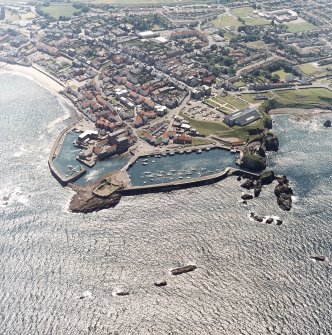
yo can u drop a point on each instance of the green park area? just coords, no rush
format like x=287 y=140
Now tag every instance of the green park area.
x=243 y=13
x=281 y=73
x=313 y=69
x=299 y=27
x=59 y=10
x=227 y=104
x=142 y=2
x=301 y=98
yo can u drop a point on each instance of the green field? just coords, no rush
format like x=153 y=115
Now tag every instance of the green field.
x=57 y=10
x=301 y=98
x=255 y=21
x=281 y=73
x=256 y=44
x=142 y=2
x=313 y=69
x=242 y=11
x=226 y=21
x=298 y=27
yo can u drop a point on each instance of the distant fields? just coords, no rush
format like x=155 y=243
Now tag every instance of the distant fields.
x=143 y=2
x=303 y=26
x=57 y=10
x=313 y=69
x=246 y=13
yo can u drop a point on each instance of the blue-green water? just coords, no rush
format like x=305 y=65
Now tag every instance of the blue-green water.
x=65 y=161
x=252 y=278
x=179 y=167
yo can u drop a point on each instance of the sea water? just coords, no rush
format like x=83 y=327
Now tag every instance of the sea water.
x=59 y=270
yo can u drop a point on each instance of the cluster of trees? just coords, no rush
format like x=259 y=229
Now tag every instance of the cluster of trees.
x=142 y=23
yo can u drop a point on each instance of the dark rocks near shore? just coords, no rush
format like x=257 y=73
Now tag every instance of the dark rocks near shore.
x=160 y=283
x=283 y=193
x=327 y=124
x=183 y=269
x=318 y=258
x=122 y=293
x=246 y=196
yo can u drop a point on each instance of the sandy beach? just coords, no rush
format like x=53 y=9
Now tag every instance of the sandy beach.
x=32 y=73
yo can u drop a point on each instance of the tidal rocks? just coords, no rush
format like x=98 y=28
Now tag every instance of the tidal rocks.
x=318 y=258
x=248 y=184
x=238 y=178
x=122 y=293
x=253 y=159
x=267 y=177
x=279 y=222
x=269 y=220
x=257 y=192
x=246 y=196
x=258 y=218
x=327 y=124
x=183 y=269
x=271 y=142
x=160 y=283
x=283 y=193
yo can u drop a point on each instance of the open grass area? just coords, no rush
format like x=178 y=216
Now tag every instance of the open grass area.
x=281 y=73
x=313 y=69
x=256 y=44
x=303 y=26
x=226 y=21
x=242 y=11
x=228 y=104
x=301 y=98
x=142 y=2
x=57 y=10
x=255 y=21
x=27 y=16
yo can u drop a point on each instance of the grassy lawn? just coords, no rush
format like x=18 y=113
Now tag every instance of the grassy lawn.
x=249 y=97
x=312 y=69
x=239 y=83
x=281 y=73
x=200 y=141
x=242 y=11
x=256 y=21
x=59 y=10
x=237 y=103
x=298 y=27
x=226 y=21
x=256 y=44
x=141 y=2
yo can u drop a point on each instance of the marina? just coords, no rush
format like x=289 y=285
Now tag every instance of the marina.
x=175 y=167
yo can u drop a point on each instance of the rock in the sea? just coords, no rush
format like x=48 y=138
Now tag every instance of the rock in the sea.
x=160 y=283
x=279 y=222
x=238 y=178
x=122 y=293
x=269 y=220
x=267 y=177
x=246 y=196
x=248 y=184
x=318 y=258
x=257 y=192
x=327 y=124
x=258 y=218
x=183 y=269
x=283 y=193
x=285 y=202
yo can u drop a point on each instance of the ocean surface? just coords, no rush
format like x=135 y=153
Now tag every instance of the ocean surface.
x=59 y=271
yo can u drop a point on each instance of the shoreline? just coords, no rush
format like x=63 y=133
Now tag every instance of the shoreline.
x=35 y=75
x=299 y=111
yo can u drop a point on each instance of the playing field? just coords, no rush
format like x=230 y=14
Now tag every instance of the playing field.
x=303 y=26
x=57 y=10
x=313 y=69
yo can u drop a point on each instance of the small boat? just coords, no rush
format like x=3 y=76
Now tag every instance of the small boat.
x=199 y=151
x=188 y=177
x=198 y=173
x=144 y=182
x=193 y=169
x=172 y=153
x=203 y=169
x=153 y=161
x=159 y=175
x=233 y=151
x=151 y=179
x=164 y=154
x=172 y=171
x=147 y=172
x=188 y=151
x=181 y=152
x=157 y=156
x=180 y=177
x=145 y=160
x=145 y=163
x=168 y=174
x=70 y=166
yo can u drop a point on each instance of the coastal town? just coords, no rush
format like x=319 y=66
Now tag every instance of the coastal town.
x=153 y=80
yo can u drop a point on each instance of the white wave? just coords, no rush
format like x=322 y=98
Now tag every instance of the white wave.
x=20 y=152
x=91 y=175
x=10 y=196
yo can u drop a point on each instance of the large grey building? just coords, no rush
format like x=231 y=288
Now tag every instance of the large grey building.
x=242 y=117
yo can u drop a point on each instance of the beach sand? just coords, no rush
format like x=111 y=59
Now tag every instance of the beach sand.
x=32 y=73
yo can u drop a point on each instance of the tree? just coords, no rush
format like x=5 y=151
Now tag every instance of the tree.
x=275 y=78
x=214 y=47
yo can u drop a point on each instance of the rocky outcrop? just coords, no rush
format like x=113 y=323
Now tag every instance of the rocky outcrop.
x=318 y=258
x=271 y=142
x=246 y=196
x=267 y=177
x=84 y=201
x=327 y=124
x=284 y=193
x=253 y=159
x=160 y=283
x=183 y=269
